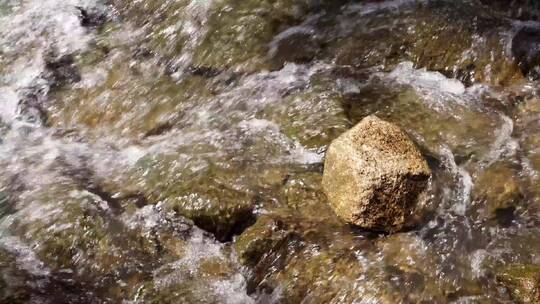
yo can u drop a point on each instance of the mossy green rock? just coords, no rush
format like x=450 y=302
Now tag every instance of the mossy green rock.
x=217 y=199
x=129 y=102
x=144 y=253
x=291 y=252
x=437 y=35
x=75 y=231
x=299 y=259
x=267 y=235
x=498 y=188
x=522 y=282
x=314 y=116
x=229 y=34
x=527 y=128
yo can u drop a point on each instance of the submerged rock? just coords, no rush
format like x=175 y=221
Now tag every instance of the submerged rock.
x=316 y=259
x=498 y=189
x=522 y=282
x=148 y=255
x=216 y=199
x=219 y=34
x=457 y=39
x=373 y=175
x=292 y=260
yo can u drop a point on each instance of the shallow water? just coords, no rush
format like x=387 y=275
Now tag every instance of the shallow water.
x=171 y=151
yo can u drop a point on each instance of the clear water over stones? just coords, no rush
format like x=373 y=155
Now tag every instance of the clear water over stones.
x=169 y=151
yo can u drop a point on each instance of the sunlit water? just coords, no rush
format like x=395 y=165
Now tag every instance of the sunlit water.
x=134 y=169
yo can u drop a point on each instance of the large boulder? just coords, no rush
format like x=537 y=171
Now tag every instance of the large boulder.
x=373 y=175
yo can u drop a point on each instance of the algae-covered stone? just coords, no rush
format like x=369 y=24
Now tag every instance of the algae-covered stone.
x=217 y=199
x=522 y=282
x=267 y=236
x=498 y=188
x=456 y=38
x=218 y=34
x=373 y=175
x=240 y=33
x=304 y=259
x=5 y=205
x=194 y=267
x=74 y=230
x=128 y=101
x=314 y=116
x=527 y=129
x=298 y=259
x=145 y=254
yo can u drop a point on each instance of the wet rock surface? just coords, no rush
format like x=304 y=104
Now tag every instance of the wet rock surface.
x=373 y=175
x=522 y=282
x=499 y=192
x=172 y=151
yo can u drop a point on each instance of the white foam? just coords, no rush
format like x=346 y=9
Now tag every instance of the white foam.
x=9 y=100
x=25 y=258
x=463 y=179
x=373 y=7
x=477 y=259
x=33 y=28
x=504 y=144
x=405 y=73
x=37 y=23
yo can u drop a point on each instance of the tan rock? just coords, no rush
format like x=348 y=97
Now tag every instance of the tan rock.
x=373 y=175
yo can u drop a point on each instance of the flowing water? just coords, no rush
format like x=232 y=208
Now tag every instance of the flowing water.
x=171 y=151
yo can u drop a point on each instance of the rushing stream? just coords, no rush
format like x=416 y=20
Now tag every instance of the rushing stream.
x=171 y=151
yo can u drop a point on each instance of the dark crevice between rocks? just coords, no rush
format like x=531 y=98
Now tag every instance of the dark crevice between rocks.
x=91 y=17
x=505 y=217
x=85 y=179
x=226 y=233
x=31 y=107
x=164 y=127
x=181 y=229
x=142 y=53
x=526 y=50
x=60 y=70
x=59 y=288
x=159 y=130
x=516 y=9
x=6 y=205
x=367 y=234
x=205 y=72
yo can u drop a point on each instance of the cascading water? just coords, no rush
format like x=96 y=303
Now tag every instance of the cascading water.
x=171 y=151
